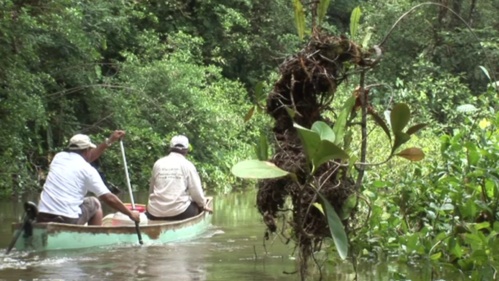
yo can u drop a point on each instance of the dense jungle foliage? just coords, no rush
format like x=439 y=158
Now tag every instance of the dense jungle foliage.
x=159 y=68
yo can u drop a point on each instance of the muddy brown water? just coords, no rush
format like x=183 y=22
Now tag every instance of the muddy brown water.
x=232 y=249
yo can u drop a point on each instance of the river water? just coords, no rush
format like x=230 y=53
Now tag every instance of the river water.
x=233 y=249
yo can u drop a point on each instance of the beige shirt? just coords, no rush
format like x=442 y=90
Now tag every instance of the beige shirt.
x=174 y=184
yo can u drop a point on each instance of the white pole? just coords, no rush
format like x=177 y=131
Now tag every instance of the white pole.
x=126 y=173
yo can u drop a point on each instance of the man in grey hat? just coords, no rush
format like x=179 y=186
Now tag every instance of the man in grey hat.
x=71 y=177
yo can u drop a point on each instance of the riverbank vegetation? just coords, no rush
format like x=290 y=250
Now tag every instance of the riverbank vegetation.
x=158 y=68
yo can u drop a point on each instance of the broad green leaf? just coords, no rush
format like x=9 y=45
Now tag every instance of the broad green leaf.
x=299 y=18
x=256 y=169
x=325 y=132
x=413 y=154
x=354 y=21
x=328 y=151
x=399 y=117
x=414 y=129
x=339 y=126
x=310 y=140
x=382 y=124
x=336 y=227
x=400 y=139
x=322 y=9
x=249 y=114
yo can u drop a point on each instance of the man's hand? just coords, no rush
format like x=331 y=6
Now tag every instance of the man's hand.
x=209 y=210
x=135 y=216
x=116 y=136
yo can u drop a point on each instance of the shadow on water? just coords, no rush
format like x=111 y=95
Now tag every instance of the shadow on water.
x=233 y=249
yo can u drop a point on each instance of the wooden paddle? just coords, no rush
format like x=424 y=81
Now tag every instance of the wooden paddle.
x=130 y=190
x=30 y=213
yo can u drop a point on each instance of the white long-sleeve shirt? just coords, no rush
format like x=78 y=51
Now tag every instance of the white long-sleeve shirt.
x=174 y=184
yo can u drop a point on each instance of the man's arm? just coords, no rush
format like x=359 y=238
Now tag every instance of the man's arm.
x=114 y=202
x=97 y=152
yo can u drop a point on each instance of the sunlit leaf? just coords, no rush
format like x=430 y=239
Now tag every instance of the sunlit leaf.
x=484 y=123
x=399 y=117
x=413 y=154
x=414 y=129
x=336 y=227
x=367 y=37
x=299 y=18
x=466 y=108
x=322 y=9
x=381 y=123
x=249 y=114
x=339 y=126
x=436 y=256
x=325 y=132
x=354 y=21
x=485 y=71
x=319 y=207
x=256 y=169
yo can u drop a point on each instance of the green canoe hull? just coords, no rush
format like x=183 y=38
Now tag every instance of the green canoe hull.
x=58 y=236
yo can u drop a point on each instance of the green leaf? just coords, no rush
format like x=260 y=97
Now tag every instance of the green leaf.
x=259 y=94
x=328 y=151
x=354 y=21
x=299 y=18
x=436 y=256
x=399 y=117
x=310 y=140
x=466 y=108
x=290 y=112
x=414 y=129
x=336 y=228
x=339 y=127
x=262 y=149
x=413 y=154
x=319 y=207
x=382 y=124
x=367 y=37
x=256 y=169
x=249 y=114
x=348 y=206
x=322 y=9
x=400 y=139
x=485 y=71
x=325 y=132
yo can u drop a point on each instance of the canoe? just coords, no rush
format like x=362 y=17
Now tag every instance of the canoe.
x=116 y=229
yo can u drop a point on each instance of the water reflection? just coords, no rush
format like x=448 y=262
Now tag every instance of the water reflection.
x=233 y=249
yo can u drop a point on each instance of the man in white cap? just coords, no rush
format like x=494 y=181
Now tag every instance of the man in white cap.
x=175 y=191
x=69 y=179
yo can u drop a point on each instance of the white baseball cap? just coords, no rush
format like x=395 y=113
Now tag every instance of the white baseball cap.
x=180 y=141
x=80 y=142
